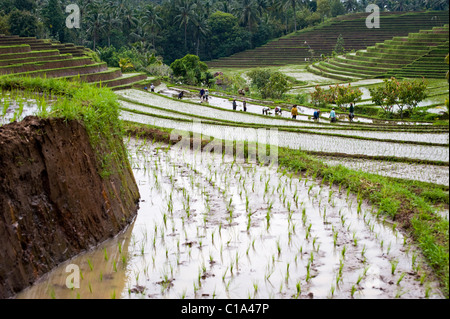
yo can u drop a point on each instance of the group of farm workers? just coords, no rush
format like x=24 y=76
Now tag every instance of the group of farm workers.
x=333 y=119
x=204 y=96
x=294 y=111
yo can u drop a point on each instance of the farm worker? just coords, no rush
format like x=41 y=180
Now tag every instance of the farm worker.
x=352 y=112
x=234 y=105
x=202 y=92
x=316 y=115
x=152 y=88
x=244 y=104
x=278 y=110
x=266 y=110
x=294 y=112
x=206 y=94
x=333 y=115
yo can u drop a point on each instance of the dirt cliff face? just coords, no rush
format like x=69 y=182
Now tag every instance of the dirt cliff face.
x=53 y=202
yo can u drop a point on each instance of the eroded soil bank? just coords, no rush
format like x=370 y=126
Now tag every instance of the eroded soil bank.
x=53 y=202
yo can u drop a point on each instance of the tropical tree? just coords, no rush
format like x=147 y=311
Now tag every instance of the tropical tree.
x=152 y=21
x=111 y=21
x=201 y=29
x=54 y=19
x=248 y=14
x=190 y=69
x=186 y=15
x=350 y=5
x=95 y=22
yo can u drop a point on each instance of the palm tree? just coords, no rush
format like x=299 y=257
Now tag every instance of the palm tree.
x=95 y=27
x=201 y=28
x=248 y=14
x=111 y=22
x=350 y=5
x=152 y=21
x=186 y=9
x=293 y=4
x=128 y=16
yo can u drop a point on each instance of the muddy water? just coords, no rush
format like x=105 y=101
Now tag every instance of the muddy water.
x=209 y=227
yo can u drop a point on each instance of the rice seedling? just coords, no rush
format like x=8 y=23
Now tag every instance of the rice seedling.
x=91 y=266
x=353 y=290
x=394 y=264
x=401 y=278
x=298 y=288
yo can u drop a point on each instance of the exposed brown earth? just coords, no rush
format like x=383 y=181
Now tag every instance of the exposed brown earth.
x=53 y=202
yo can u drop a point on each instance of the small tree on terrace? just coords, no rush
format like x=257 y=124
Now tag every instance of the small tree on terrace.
x=346 y=95
x=401 y=94
x=270 y=84
x=191 y=70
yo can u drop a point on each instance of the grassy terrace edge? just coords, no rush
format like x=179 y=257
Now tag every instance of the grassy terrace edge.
x=407 y=204
x=96 y=108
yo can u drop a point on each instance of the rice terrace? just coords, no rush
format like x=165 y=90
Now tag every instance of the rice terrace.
x=207 y=149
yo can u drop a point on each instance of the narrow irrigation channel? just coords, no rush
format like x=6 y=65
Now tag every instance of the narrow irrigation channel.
x=212 y=227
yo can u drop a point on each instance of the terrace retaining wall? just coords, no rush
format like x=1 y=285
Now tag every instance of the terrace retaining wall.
x=53 y=202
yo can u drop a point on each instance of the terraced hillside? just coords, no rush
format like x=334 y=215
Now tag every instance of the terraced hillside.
x=429 y=66
x=295 y=48
x=36 y=57
x=419 y=54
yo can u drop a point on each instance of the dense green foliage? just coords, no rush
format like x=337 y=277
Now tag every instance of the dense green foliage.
x=403 y=94
x=270 y=84
x=174 y=28
x=339 y=95
x=191 y=70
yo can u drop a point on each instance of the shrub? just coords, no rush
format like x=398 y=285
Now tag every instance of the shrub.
x=339 y=95
x=408 y=93
x=191 y=70
x=270 y=84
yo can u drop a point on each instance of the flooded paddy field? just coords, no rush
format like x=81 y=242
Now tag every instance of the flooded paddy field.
x=212 y=227
x=15 y=106
x=410 y=171
x=303 y=141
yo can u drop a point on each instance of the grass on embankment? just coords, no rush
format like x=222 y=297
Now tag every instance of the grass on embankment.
x=409 y=204
x=96 y=108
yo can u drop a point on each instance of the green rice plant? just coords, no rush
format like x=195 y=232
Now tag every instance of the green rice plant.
x=308 y=231
x=91 y=266
x=344 y=249
x=401 y=278
x=287 y=273
x=353 y=290
x=355 y=239
x=298 y=289
x=394 y=264
x=332 y=290
x=308 y=271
